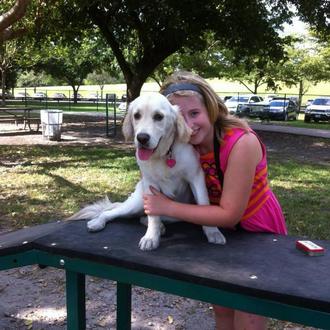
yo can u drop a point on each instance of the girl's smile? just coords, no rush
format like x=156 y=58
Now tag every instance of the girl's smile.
x=196 y=117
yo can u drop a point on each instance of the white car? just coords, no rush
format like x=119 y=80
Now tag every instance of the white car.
x=233 y=103
x=39 y=96
x=22 y=95
x=319 y=110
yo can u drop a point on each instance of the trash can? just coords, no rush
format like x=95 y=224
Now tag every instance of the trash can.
x=51 y=122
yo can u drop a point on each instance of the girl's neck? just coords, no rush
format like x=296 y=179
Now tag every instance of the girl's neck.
x=207 y=145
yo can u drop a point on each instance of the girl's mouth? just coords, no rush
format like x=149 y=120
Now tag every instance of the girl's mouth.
x=194 y=132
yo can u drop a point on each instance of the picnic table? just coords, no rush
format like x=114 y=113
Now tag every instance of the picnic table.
x=20 y=115
x=254 y=272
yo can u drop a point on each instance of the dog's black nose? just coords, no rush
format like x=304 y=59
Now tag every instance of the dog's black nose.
x=143 y=138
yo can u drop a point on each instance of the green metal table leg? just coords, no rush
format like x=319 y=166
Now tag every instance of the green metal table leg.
x=124 y=302
x=75 y=301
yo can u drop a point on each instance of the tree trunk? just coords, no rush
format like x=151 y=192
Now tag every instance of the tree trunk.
x=134 y=86
x=301 y=93
x=3 y=87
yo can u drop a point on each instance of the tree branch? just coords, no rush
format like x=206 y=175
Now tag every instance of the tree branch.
x=10 y=17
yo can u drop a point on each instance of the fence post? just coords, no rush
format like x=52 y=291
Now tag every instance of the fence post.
x=111 y=98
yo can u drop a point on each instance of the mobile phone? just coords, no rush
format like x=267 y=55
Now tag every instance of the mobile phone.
x=310 y=248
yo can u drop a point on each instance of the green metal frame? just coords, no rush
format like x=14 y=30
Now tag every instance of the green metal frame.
x=76 y=269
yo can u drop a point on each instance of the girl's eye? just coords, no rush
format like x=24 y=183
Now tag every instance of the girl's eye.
x=194 y=114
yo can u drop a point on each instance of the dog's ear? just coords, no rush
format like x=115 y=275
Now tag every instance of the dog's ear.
x=128 y=130
x=183 y=131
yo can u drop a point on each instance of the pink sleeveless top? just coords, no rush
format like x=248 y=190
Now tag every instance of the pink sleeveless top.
x=263 y=212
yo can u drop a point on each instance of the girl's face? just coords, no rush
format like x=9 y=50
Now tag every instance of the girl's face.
x=196 y=117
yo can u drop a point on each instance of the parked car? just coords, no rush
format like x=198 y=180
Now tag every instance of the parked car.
x=79 y=96
x=252 y=110
x=309 y=102
x=22 y=95
x=8 y=95
x=59 y=96
x=233 y=103
x=227 y=97
x=39 y=96
x=93 y=97
x=281 y=109
x=319 y=110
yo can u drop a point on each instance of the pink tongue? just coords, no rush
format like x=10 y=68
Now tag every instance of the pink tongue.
x=144 y=154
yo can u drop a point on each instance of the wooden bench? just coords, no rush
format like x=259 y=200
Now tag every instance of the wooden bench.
x=28 y=122
x=258 y=273
x=20 y=115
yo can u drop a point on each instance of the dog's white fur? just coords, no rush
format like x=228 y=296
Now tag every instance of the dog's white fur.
x=162 y=129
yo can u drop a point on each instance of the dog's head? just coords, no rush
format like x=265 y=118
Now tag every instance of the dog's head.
x=154 y=123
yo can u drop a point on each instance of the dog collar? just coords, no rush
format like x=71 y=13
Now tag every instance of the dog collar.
x=170 y=161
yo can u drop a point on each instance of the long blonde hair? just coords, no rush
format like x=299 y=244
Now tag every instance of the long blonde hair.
x=217 y=111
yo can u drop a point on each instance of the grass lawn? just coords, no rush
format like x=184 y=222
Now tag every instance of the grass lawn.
x=39 y=184
x=299 y=123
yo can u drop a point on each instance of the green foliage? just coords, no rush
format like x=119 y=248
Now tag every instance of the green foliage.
x=33 y=79
x=102 y=78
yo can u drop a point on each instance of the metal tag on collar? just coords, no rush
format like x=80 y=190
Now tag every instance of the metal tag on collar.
x=170 y=162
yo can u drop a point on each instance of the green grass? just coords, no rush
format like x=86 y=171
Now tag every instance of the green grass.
x=299 y=123
x=39 y=184
x=304 y=193
x=64 y=106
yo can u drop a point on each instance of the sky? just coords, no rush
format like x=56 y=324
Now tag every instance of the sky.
x=297 y=27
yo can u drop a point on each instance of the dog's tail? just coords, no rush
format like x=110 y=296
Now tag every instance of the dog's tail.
x=93 y=210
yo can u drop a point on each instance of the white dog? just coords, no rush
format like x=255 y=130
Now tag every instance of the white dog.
x=167 y=162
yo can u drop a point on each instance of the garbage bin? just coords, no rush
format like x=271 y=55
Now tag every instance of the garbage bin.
x=51 y=122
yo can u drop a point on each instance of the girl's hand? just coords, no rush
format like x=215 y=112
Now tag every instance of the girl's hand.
x=156 y=203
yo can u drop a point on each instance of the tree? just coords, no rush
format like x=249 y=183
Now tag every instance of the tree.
x=9 y=18
x=101 y=78
x=69 y=62
x=142 y=35
x=7 y=57
x=305 y=65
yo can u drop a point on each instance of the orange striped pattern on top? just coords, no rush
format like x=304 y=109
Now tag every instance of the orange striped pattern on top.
x=260 y=192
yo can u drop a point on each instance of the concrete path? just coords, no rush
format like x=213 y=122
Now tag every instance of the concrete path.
x=323 y=133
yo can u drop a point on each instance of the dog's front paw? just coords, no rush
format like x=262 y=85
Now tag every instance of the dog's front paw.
x=96 y=224
x=214 y=235
x=148 y=243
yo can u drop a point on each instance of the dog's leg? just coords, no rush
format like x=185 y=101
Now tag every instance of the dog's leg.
x=199 y=190
x=144 y=221
x=150 y=240
x=132 y=206
x=214 y=235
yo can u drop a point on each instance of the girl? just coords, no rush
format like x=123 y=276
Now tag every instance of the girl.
x=234 y=162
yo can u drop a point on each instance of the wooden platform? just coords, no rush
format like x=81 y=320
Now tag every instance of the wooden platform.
x=259 y=273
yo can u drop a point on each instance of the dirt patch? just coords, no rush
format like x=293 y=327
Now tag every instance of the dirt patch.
x=34 y=298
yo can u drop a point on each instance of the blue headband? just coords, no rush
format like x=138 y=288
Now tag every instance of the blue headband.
x=181 y=87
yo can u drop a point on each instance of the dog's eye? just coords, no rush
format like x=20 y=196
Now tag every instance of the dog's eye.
x=137 y=116
x=158 y=117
